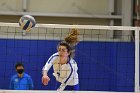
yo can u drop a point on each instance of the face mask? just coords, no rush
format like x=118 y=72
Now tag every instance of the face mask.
x=20 y=71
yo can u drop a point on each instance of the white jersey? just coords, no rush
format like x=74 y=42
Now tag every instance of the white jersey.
x=66 y=73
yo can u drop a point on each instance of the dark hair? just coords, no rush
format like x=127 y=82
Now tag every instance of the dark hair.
x=19 y=64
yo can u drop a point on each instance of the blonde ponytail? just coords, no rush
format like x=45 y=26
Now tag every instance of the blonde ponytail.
x=72 y=38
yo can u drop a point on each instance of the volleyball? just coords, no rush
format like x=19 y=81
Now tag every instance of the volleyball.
x=26 y=22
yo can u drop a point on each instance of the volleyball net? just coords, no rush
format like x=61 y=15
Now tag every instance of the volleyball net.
x=107 y=56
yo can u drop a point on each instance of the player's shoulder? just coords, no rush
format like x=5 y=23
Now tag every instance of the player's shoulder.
x=55 y=54
x=72 y=61
x=73 y=64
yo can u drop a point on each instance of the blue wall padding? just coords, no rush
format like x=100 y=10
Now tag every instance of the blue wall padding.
x=103 y=66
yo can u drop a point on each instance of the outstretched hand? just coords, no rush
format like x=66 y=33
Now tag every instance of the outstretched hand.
x=45 y=79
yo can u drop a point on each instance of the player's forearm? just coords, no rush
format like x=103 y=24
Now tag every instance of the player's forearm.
x=46 y=68
x=45 y=72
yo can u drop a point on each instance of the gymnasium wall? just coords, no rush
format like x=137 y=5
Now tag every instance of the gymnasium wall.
x=88 y=12
x=56 y=7
x=103 y=66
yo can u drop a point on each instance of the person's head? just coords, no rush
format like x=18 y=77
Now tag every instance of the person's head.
x=66 y=48
x=19 y=68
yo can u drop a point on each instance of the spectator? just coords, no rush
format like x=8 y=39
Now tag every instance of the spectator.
x=21 y=80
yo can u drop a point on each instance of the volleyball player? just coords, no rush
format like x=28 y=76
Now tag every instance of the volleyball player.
x=64 y=66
